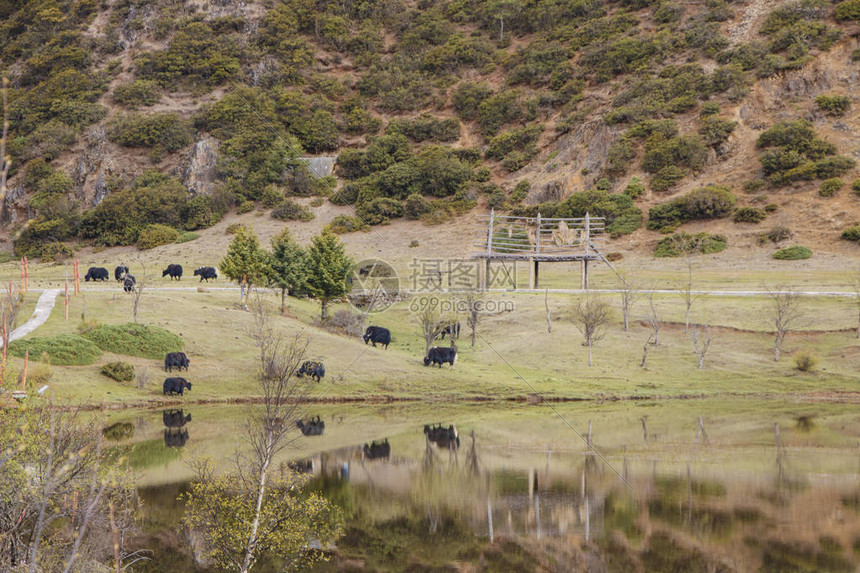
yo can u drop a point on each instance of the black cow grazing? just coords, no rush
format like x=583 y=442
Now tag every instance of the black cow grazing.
x=313 y=427
x=128 y=283
x=452 y=330
x=447 y=438
x=97 y=274
x=377 y=450
x=175 y=438
x=120 y=272
x=175 y=272
x=440 y=355
x=175 y=418
x=206 y=273
x=176 y=360
x=378 y=334
x=175 y=386
x=313 y=369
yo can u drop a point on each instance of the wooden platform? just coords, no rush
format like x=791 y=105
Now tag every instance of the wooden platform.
x=540 y=240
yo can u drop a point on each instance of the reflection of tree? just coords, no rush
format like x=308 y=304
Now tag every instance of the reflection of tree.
x=254 y=510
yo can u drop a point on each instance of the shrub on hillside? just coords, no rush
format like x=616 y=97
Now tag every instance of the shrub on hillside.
x=703 y=243
x=156 y=235
x=345 y=224
x=233 y=228
x=851 y=234
x=792 y=152
x=415 y=206
x=468 y=97
x=635 y=188
x=621 y=215
x=837 y=105
x=137 y=93
x=119 y=371
x=848 y=10
x=289 y=210
x=59 y=350
x=135 y=340
x=186 y=237
x=830 y=187
x=776 y=234
x=425 y=127
x=379 y=211
x=165 y=131
x=55 y=252
x=711 y=202
x=795 y=253
x=749 y=215
x=805 y=361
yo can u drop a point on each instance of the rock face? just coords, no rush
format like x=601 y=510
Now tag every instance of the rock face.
x=199 y=173
x=92 y=168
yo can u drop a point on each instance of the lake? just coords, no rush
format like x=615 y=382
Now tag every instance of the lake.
x=758 y=485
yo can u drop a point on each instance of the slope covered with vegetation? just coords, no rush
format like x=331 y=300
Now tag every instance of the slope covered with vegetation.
x=126 y=114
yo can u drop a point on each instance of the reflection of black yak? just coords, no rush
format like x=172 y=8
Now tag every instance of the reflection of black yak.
x=304 y=466
x=377 y=450
x=313 y=427
x=175 y=438
x=443 y=437
x=175 y=418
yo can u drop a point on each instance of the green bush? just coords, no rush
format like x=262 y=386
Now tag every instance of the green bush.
x=61 y=350
x=379 y=211
x=622 y=217
x=233 y=228
x=468 y=97
x=119 y=371
x=715 y=130
x=666 y=178
x=848 y=10
x=749 y=215
x=829 y=187
x=686 y=151
x=794 y=153
x=186 y=237
x=855 y=186
x=425 y=127
x=635 y=188
x=165 y=131
x=805 y=361
x=711 y=202
x=851 y=234
x=272 y=196
x=345 y=224
x=199 y=212
x=156 y=235
x=135 y=340
x=55 y=252
x=520 y=140
x=289 y=210
x=137 y=93
x=836 y=105
x=794 y=253
x=676 y=245
x=415 y=206
x=497 y=110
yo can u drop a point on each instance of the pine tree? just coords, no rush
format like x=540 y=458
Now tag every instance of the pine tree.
x=288 y=266
x=329 y=270
x=245 y=260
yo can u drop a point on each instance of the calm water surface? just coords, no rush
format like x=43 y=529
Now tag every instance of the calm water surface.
x=767 y=486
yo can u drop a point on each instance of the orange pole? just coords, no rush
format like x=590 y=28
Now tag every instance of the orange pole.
x=24 y=374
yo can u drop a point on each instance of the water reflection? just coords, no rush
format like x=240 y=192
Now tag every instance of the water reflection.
x=175 y=433
x=313 y=427
x=755 y=500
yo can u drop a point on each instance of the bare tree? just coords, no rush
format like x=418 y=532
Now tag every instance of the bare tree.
x=784 y=314
x=653 y=320
x=591 y=316
x=630 y=291
x=473 y=312
x=548 y=315
x=645 y=348
x=432 y=321
x=267 y=504
x=137 y=292
x=700 y=345
x=687 y=245
x=5 y=160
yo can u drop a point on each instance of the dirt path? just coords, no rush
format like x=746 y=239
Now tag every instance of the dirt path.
x=44 y=306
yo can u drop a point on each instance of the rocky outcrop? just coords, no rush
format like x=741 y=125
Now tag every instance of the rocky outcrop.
x=199 y=172
x=93 y=168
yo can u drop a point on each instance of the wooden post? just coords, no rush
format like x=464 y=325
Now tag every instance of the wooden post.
x=537 y=251
x=588 y=441
x=490 y=517
x=66 y=300
x=24 y=373
x=77 y=278
x=586 y=240
x=489 y=249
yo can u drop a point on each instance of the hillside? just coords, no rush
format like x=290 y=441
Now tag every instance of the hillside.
x=125 y=114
